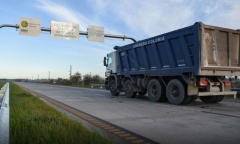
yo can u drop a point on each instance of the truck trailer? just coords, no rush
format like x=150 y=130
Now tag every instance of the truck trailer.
x=179 y=66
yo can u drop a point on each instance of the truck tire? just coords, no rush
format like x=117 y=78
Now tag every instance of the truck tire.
x=176 y=92
x=128 y=87
x=220 y=98
x=195 y=97
x=113 y=88
x=209 y=99
x=155 y=92
x=188 y=100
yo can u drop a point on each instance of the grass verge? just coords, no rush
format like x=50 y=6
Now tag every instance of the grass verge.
x=33 y=121
x=2 y=84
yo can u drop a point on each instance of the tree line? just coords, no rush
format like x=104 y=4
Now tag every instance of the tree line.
x=78 y=79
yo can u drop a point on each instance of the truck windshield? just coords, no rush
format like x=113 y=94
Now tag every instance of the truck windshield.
x=110 y=59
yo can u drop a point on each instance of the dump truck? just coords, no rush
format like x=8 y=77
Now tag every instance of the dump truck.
x=179 y=66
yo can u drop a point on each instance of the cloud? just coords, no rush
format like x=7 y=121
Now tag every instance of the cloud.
x=69 y=14
x=155 y=18
x=63 y=13
x=224 y=13
x=145 y=18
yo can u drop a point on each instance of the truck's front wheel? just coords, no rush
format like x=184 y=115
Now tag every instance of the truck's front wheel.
x=128 y=86
x=113 y=88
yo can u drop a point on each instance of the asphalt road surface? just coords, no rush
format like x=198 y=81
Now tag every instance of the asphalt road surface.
x=196 y=123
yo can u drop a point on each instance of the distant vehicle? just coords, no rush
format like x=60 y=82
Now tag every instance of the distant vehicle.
x=178 y=66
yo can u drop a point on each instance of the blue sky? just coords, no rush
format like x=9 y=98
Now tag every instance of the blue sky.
x=28 y=57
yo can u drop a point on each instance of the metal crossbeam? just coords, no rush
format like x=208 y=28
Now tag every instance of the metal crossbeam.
x=80 y=32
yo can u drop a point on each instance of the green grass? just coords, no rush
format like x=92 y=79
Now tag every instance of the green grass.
x=2 y=84
x=34 y=122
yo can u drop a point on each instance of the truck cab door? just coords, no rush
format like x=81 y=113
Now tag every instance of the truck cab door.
x=111 y=66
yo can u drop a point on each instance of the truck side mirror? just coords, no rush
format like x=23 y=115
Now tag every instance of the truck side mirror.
x=105 y=62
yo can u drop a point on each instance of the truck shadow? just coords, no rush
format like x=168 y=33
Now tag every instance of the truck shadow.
x=195 y=103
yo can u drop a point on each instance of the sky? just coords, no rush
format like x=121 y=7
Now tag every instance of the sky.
x=32 y=57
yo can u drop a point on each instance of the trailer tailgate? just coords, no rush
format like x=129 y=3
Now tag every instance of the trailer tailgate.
x=219 y=51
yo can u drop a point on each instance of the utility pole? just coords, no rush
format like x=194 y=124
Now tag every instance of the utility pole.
x=70 y=74
x=49 y=75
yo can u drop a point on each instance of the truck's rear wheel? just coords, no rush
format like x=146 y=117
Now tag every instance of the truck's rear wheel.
x=195 y=97
x=212 y=99
x=155 y=91
x=208 y=99
x=220 y=98
x=128 y=87
x=176 y=92
x=188 y=100
x=113 y=88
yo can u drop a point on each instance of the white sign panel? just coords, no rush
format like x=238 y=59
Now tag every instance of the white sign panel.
x=30 y=27
x=64 y=30
x=95 y=33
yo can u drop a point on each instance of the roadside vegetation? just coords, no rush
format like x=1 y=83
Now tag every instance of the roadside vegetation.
x=2 y=84
x=33 y=121
x=78 y=80
x=234 y=85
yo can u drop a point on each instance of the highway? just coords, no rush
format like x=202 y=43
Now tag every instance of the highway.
x=160 y=122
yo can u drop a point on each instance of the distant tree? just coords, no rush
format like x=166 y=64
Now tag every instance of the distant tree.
x=17 y=80
x=75 y=78
x=96 y=79
x=59 y=80
x=102 y=80
x=66 y=82
x=87 y=79
x=51 y=81
x=63 y=81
